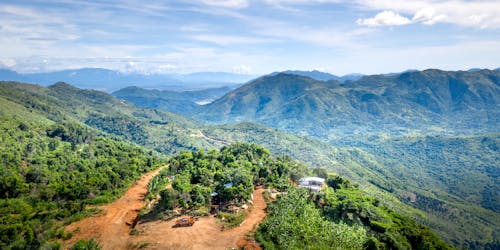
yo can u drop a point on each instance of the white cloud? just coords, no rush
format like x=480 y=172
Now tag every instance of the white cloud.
x=478 y=14
x=384 y=18
x=428 y=16
x=235 y=4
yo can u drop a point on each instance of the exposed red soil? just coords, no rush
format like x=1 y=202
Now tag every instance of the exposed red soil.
x=206 y=233
x=112 y=228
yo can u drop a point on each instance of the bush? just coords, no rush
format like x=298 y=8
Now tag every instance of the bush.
x=86 y=245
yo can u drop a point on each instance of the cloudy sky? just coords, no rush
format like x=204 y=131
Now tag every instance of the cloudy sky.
x=247 y=36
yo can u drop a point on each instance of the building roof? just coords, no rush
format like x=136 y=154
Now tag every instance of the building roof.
x=314 y=179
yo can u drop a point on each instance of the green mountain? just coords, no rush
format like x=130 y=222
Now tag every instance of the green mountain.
x=321 y=76
x=430 y=101
x=403 y=172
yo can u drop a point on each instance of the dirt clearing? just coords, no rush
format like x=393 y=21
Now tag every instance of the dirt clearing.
x=112 y=228
x=206 y=233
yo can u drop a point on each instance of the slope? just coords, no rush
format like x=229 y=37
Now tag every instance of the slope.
x=50 y=171
x=159 y=130
x=430 y=101
x=454 y=179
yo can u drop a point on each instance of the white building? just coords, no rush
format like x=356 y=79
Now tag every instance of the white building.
x=312 y=183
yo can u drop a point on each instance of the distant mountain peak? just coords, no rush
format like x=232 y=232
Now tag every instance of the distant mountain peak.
x=62 y=85
x=110 y=80
x=322 y=76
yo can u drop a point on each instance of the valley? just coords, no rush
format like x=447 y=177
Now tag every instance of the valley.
x=447 y=180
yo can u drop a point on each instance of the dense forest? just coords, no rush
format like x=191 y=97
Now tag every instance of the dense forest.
x=49 y=173
x=224 y=178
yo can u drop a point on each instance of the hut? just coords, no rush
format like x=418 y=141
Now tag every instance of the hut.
x=312 y=183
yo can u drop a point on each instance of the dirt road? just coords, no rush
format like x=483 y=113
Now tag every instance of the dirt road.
x=112 y=232
x=111 y=229
x=204 y=234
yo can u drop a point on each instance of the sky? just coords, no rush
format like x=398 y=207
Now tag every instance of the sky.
x=249 y=37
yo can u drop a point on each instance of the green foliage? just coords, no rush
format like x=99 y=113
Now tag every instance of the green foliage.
x=49 y=173
x=157 y=183
x=295 y=222
x=320 y=172
x=169 y=199
x=452 y=178
x=231 y=220
x=343 y=202
x=223 y=177
x=336 y=182
x=86 y=245
x=426 y=101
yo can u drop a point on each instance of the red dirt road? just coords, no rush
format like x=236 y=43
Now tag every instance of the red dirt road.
x=110 y=228
x=112 y=232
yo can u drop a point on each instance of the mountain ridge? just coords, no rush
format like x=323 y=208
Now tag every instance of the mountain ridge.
x=111 y=80
x=458 y=100
x=322 y=76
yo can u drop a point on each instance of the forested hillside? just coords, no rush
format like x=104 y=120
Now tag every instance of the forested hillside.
x=430 y=101
x=159 y=130
x=51 y=171
x=463 y=218
x=338 y=217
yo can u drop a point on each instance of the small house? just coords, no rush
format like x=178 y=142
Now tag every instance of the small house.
x=312 y=183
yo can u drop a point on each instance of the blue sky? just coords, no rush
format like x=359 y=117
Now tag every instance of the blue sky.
x=245 y=36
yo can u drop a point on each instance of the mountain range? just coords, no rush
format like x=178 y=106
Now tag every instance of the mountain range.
x=425 y=143
x=426 y=101
x=110 y=80
x=430 y=101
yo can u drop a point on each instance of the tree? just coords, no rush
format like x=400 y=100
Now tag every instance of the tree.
x=320 y=172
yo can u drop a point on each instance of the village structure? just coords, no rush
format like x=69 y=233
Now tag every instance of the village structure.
x=312 y=183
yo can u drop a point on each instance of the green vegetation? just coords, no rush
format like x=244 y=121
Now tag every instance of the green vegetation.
x=49 y=173
x=177 y=102
x=157 y=183
x=155 y=129
x=86 y=245
x=344 y=202
x=453 y=179
x=225 y=178
x=430 y=101
x=296 y=223
x=340 y=217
